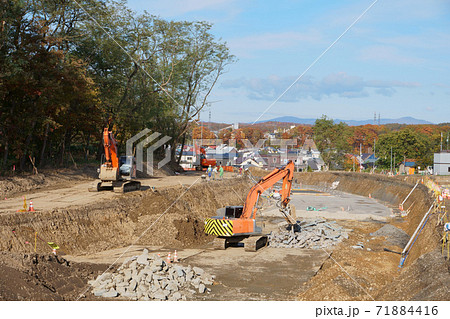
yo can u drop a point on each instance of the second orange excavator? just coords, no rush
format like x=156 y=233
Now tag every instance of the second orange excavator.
x=116 y=173
x=237 y=224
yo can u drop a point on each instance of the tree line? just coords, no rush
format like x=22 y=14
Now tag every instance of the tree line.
x=68 y=69
x=413 y=142
x=336 y=141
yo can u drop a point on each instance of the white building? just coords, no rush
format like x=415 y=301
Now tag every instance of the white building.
x=441 y=163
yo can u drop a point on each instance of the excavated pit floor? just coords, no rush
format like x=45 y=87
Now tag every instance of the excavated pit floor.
x=335 y=206
x=268 y=274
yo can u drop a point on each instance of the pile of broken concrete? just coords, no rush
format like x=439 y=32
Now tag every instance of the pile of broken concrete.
x=312 y=234
x=148 y=277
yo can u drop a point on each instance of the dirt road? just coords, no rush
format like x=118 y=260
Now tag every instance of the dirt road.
x=76 y=194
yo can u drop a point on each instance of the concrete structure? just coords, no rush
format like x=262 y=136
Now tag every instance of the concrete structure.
x=441 y=163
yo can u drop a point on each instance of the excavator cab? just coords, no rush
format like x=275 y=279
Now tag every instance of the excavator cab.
x=233 y=211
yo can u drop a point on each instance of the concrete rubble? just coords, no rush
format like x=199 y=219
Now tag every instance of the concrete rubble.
x=148 y=277
x=313 y=234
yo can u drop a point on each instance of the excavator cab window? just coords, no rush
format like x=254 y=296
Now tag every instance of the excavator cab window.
x=233 y=211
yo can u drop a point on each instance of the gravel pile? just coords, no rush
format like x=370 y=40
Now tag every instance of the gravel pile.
x=313 y=234
x=394 y=235
x=148 y=277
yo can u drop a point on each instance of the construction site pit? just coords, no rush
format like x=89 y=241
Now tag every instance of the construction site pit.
x=117 y=246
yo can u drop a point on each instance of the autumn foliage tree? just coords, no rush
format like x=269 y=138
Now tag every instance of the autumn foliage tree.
x=201 y=132
x=64 y=77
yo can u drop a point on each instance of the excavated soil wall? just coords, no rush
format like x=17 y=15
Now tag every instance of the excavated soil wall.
x=168 y=217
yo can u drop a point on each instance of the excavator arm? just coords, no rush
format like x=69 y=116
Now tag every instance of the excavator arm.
x=110 y=145
x=286 y=173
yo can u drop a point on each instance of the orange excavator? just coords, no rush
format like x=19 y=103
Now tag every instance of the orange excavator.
x=116 y=173
x=201 y=162
x=237 y=224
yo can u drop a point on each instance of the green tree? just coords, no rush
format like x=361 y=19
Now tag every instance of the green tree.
x=332 y=141
x=405 y=144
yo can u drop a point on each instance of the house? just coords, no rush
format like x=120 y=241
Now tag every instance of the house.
x=368 y=160
x=316 y=164
x=223 y=154
x=302 y=159
x=441 y=165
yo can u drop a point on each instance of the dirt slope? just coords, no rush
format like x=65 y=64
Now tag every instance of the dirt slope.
x=43 y=277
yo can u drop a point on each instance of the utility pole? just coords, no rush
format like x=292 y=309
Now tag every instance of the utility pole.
x=394 y=160
x=374 y=157
x=360 y=157
x=209 y=123
x=447 y=141
x=391 y=159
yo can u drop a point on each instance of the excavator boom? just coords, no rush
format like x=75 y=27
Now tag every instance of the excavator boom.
x=110 y=145
x=286 y=173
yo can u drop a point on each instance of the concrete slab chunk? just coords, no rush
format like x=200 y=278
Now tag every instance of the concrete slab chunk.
x=110 y=294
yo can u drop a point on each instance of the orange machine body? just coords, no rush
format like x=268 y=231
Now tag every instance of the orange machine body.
x=111 y=151
x=240 y=220
x=201 y=161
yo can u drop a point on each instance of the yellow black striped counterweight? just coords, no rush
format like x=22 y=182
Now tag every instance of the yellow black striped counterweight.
x=219 y=227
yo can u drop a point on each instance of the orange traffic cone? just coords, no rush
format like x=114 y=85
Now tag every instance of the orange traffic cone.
x=370 y=195
x=168 y=258
x=31 y=209
x=400 y=207
x=175 y=257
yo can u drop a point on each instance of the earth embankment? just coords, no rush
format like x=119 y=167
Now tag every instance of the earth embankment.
x=170 y=216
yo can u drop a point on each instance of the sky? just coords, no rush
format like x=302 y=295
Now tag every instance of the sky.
x=393 y=60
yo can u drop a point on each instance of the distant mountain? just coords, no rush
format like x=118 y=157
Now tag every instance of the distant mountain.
x=296 y=120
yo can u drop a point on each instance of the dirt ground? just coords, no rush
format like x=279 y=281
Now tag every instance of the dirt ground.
x=60 y=190
x=43 y=277
x=93 y=232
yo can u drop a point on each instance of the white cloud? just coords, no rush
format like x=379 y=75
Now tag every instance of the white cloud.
x=387 y=54
x=442 y=85
x=337 y=84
